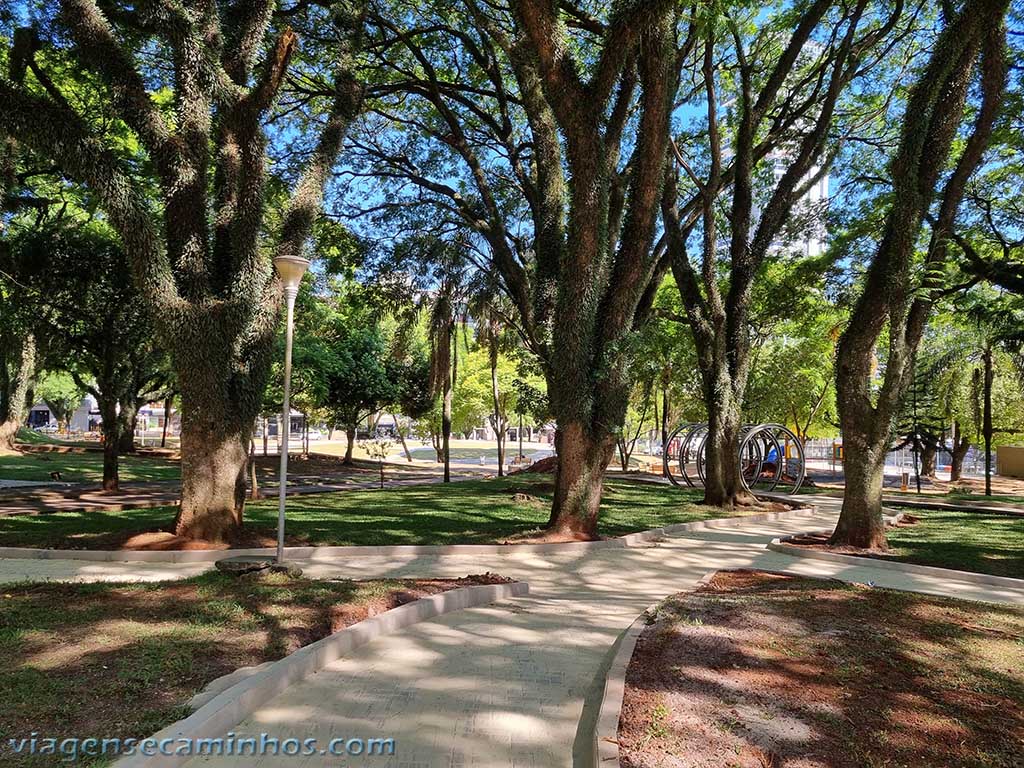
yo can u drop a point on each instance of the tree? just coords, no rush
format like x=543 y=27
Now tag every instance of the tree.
x=794 y=332
x=17 y=340
x=637 y=421
x=919 y=425
x=891 y=299
x=60 y=392
x=787 y=114
x=502 y=99
x=197 y=235
x=446 y=315
x=94 y=325
x=667 y=344
x=412 y=383
x=489 y=311
x=362 y=379
x=17 y=373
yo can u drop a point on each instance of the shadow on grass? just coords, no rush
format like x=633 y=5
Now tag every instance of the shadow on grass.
x=477 y=511
x=121 y=660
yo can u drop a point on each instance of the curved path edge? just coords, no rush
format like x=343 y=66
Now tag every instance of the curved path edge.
x=234 y=704
x=606 y=731
x=782 y=545
x=640 y=538
x=605 y=752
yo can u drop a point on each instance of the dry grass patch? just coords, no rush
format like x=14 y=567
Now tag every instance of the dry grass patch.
x=757 y=670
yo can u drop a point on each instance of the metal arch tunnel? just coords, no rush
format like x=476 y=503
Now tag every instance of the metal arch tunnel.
x=771 y=457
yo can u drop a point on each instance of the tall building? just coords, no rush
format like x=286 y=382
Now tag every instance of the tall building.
x=805 y=232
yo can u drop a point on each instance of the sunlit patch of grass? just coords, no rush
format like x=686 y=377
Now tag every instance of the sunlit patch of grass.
x=965 y=541
x=476 y=511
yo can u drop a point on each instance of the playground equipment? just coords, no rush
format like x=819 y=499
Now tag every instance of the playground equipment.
x=771 y=457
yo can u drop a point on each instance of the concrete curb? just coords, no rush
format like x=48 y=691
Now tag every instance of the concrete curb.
x=230 y=707
x=642 y=538
x=606 y=733
x=781 y=545
x=938 y=504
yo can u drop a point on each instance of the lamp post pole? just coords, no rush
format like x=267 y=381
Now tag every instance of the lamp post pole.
x=290 y=269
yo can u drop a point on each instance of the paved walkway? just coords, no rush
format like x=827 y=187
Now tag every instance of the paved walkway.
x=516 y=683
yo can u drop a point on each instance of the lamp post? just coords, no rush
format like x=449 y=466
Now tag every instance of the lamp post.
x=290 y=269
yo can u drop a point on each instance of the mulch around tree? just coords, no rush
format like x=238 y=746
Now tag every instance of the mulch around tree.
x=756 y=670
x=123 y=660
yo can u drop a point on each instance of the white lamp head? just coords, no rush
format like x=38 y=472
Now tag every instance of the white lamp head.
x=291 y=269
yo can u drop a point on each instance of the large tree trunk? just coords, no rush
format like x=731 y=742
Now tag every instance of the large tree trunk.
x=111 y=429
x=860 y=522
x=890 y=299
x=350 y=435
x=865 y=429
x=579 y=480
x=213 y=464
x=722 y=461
x=128 y=416
x=928 y=455
x=8 y=433
x=215 y=431
x=14 y=405
x=961 y=445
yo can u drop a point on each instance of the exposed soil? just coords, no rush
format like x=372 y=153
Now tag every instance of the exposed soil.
x=545 y=466
x=325 y=465
x=542 y=536
x=756 y=670
x=819 y=541
x=250 y=537
x=84 y=660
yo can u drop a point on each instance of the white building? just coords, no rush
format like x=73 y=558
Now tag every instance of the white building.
x=86 y=417
x=805 y=232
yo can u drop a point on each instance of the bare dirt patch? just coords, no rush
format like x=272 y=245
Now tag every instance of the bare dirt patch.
x=756 y=670
x=122 y=660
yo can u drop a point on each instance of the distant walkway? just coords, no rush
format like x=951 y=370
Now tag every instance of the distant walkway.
x=933 y=501
x=515 y=683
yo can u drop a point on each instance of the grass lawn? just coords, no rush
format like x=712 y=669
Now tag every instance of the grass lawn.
x=966 y=541
x=757 y=670
x=979 y=498
x=963 y=541
x=472 y=511
x=32 y=437
x=122 y=660
x=925 y=495
x=83 y=467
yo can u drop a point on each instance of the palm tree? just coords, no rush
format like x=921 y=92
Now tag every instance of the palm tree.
x=490 y=308
x=447 y=306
